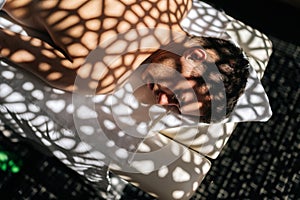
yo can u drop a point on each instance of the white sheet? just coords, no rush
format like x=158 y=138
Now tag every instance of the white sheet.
x=2 y=4
x=74 y=127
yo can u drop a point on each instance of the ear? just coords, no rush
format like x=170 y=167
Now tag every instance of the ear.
x=195 y=55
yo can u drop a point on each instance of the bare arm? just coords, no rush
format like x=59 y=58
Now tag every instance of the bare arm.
x=38 y=57
x=79 y=27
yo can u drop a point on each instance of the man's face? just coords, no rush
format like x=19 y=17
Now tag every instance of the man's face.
x=175 y=82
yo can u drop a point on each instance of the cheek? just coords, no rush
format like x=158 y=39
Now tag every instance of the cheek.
x=148 y=72
x=193 y=108
x=203 y=94
x=144 y=95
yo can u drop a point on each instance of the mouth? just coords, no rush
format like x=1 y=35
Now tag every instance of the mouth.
x=162 y=95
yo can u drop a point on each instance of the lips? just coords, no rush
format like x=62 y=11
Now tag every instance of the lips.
x=163 y=96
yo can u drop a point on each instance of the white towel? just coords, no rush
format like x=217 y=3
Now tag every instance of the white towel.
x=2 y=2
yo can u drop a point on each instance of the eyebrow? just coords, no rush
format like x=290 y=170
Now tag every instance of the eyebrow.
x=199 y=80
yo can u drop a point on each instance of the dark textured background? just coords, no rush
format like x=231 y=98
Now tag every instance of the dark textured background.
x=261 y=159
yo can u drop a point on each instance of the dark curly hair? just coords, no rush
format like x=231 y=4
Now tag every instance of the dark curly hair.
x=233 y=66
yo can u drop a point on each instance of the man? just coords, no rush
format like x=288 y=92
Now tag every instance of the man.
x=97 y=44
x=212 y=72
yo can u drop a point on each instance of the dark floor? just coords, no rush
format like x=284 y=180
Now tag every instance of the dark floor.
x=260 y=161
x=272 y=17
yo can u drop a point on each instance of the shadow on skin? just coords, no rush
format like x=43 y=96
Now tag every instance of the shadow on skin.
x=69 y=31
